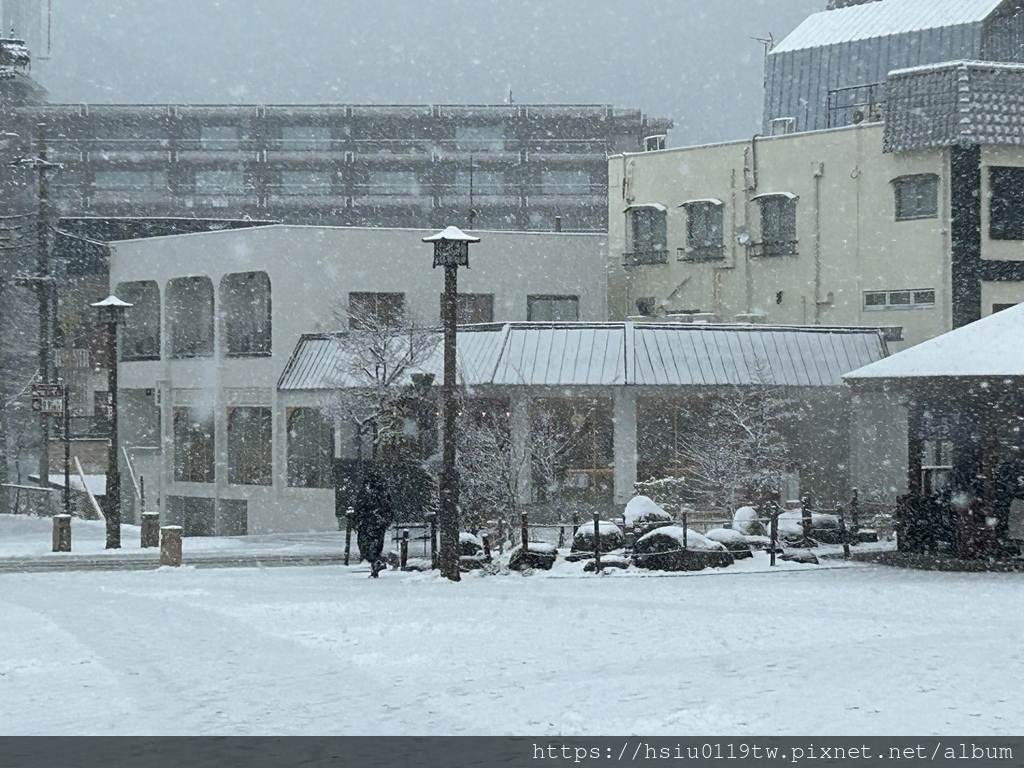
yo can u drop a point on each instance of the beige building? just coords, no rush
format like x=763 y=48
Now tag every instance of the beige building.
x=217 y=316
x=819 y=228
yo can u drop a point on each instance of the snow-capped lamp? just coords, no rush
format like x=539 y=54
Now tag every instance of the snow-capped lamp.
x=451 y=247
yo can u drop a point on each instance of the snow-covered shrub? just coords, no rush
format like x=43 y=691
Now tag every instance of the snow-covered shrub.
x=538 y=555
x=470 y=545
x=642 y=511
x=732 y=540
x=662 y=549
x=824 y=527
x=611 y=536
x=746 y=521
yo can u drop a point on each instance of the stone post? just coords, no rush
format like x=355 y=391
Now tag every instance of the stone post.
x=170 y=545
x=62 y=533
x=150 y=530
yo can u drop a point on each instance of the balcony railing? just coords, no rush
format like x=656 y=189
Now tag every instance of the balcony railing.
x=772 y=248
x=697 y=253
x=643 y=258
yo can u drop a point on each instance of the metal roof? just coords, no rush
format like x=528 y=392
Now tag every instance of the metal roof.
x=988 y=347
x=622 y=354
x=880 y=19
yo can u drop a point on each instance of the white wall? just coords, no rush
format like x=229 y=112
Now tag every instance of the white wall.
x=312 y=270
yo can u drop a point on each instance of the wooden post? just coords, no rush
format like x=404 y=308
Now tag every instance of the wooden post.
x=487 y=548
x=170 y=545
x=843 y=537
x=597 y=543
x=575 y=523
x=561 y=536
x=62 y=533
x=686 y=532
x=348 y=533
x=150 y=530
x=403 y=559
x=854 y=512
x=524 y=532
x=432 y=517
x=501 y=535
x=773 y=521
x=805 y=516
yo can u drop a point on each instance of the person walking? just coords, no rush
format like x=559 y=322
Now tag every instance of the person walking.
x=374 y=514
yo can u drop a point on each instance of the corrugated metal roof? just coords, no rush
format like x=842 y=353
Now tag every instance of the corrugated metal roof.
x=879 y=19
x=617 y=354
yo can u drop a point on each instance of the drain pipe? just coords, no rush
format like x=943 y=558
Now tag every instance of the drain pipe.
x=819 y=171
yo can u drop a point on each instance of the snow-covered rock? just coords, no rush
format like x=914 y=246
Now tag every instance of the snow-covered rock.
x=662 y=549
x=538 y=555
x=470 y=545
x=732 y=540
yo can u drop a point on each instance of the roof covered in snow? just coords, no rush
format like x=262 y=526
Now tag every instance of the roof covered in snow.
x=989 y=347
x=620 y=354
x=888 y=17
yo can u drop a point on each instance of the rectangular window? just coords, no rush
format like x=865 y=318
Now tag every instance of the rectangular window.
x=190 y=317
x=369 y=310
x=648 y=235
x=778 y=226
x=396 y=183
x=193 y=446
x=304 y=182
x=484 y=183
x=298 y=138
x=129 y=180
x=140 y=333
x=917 y=197
x=473 y=308
x=906 y=299
x=705 y=231
x=553 y=308
x=1006 y=203
x=564 y=182
x=480 y=138
x=310 y=449
x=245 y=309
x=249 y=446
x=223 y=137
x=220 y=182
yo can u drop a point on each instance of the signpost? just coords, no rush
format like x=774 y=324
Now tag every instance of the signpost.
x=52 y=400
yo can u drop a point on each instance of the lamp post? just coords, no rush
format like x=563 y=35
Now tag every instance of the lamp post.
x=111 y=313
x=451 y=251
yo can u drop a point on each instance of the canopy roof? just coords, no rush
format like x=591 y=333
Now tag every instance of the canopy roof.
x=619 y=354
x=991 y=346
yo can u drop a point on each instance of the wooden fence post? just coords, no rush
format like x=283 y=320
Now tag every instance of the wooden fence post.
x=403 y=548
x=432 y=517
x=561 y=536
x=597 y=543
x=170 y=545
x=487 y=548
x=524 y=532
x=854 y=513
x=62 y=533
x=842 y=532
x=150 y=534
x=575 y=523
x=805 y=516
x=686 y=532
x=773 y=521
x=348 y=533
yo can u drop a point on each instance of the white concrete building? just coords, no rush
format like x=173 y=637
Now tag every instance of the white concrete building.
x=217 y=315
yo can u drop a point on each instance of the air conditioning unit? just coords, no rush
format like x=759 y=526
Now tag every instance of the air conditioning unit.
x=858 y=116
x=654 y=143
x=783 y=126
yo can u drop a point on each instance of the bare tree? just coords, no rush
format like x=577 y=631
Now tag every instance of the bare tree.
x=378 y=355
x=738 y=450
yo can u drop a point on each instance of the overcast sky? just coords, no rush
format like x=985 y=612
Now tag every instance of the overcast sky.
x=693 y=61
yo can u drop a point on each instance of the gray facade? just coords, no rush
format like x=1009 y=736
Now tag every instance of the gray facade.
x=514 y=167
x=833 y=69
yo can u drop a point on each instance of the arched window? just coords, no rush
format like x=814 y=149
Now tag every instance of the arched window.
x=310 y=449
x=190 y=317
x=140 y=333
x=246 y=312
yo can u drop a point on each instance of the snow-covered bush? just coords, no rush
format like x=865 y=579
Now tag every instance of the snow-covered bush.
x=663 y=549
x=641 y=510
x=538 y=555
x=746 y=521
x=824 y=527
x=470 y=545
x=611 y=536
x=732 y=540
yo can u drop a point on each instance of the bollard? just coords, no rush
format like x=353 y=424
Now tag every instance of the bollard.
x=348 y=533
x=170 y=545
x=487 y=549
x=403 y=548
x=524 y=532
x=62 y=533
x=432 y=517
x=597 y=543
x=150 y=530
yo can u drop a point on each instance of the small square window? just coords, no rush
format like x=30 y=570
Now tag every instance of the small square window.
x=874 y=299
x=917 y=197
x=899 y=299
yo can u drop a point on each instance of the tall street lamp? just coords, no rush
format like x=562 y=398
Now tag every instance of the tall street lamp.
x=111 y=313
x=451 y=251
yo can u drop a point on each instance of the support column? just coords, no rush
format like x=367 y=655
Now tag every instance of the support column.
x=624 y=442
x=519 y=426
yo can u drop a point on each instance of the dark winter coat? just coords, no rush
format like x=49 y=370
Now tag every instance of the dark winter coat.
x=373 y=515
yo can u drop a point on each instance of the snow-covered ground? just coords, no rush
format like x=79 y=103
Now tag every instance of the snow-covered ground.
x=325 y=650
